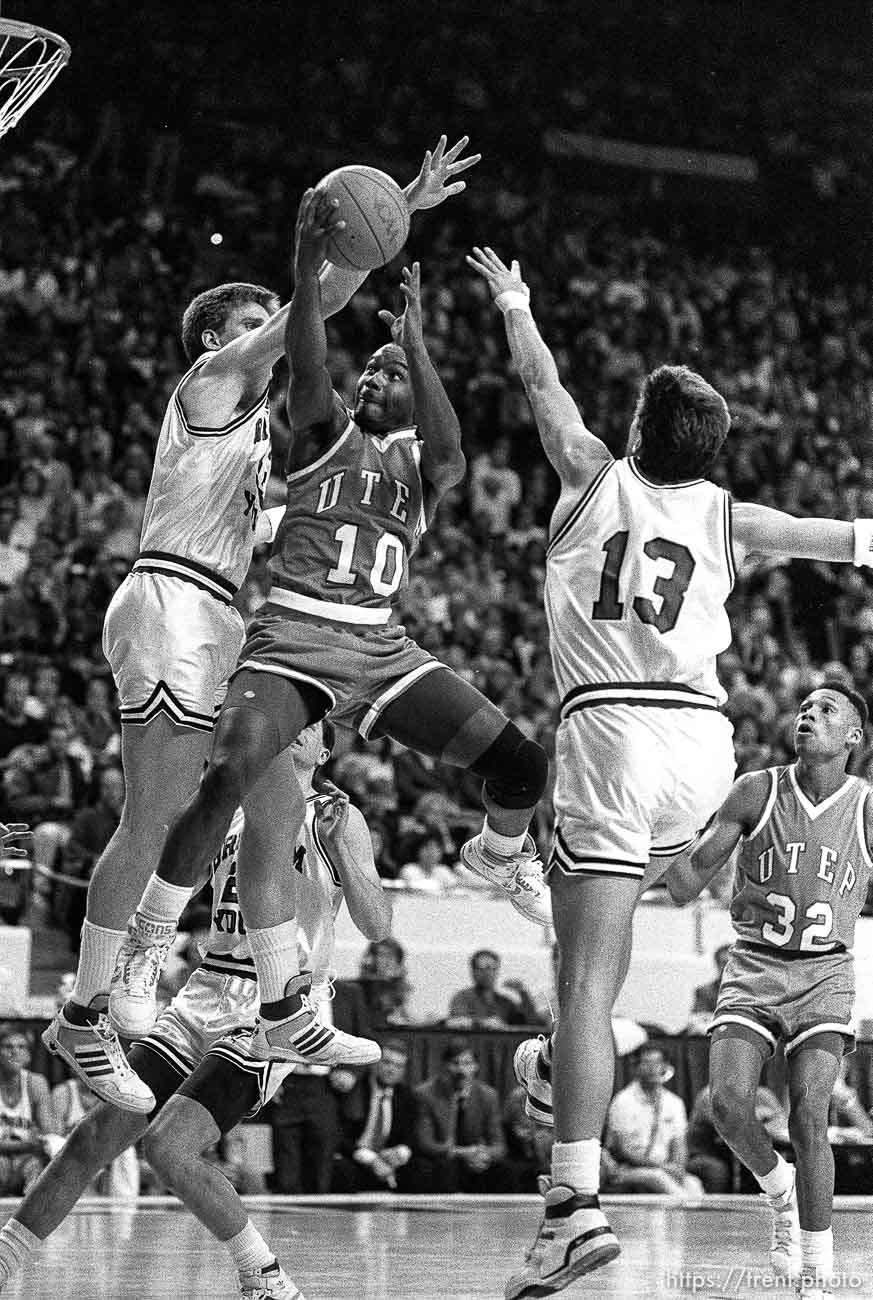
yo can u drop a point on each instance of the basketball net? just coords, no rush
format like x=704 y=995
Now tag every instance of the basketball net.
x=30 y=59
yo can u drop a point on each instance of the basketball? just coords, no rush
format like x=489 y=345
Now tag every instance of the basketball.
x=373 y=206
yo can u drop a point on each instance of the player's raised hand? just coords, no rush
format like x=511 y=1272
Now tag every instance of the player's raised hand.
x=407 y=329
x=434 y=184
x=332 y=810
x=499 y=277
x=11 y=833
x=317 y=220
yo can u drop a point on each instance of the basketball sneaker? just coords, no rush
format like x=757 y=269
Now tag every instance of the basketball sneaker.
x=520 y=877
x=785 y=1240
x=95 y=1055
x=535 y=1076
x=302 y=1036
x=271 y=1283
x=574 y=1239
x=133 y=997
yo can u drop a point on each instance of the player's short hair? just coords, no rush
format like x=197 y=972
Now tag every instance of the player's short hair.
x=210 y=310
x=854 y=697
x=682 y=422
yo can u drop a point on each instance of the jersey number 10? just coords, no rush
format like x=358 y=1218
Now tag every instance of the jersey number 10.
x=671 y=590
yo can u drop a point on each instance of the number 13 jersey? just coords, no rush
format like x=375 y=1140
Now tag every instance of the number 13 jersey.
x=637 y=576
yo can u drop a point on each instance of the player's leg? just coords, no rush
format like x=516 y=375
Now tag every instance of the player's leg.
x=210 y=1103
x=99 y=1138
x=736 y=1057
x=593 y=923
x=290 y=1027
x=439 y=714
x=813 y=1068
x=261 y=715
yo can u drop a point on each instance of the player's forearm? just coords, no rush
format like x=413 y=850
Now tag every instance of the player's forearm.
x=442 y=461
x=305 y=335
x=369 y=906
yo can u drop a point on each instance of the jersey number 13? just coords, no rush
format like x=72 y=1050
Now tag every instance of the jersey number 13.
x=671 y=589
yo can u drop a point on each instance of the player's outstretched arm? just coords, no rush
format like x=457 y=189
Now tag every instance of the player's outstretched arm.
x=344 y=834
x=576 y=454
x=739 y=813
x=760 y=530
x=311 y=403
x=432 y=186
x=442 y=461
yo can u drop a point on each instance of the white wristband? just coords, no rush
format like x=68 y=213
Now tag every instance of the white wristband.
x=863 y=542
x=513 y=298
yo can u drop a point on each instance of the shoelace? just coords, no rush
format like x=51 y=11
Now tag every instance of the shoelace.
x=112 y=1046
x=145 y=964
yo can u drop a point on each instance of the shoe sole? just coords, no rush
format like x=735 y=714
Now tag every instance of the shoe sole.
x=290 y=1057
x=534 y=1107
x=559 y=1281
x=125 y=1027
x=57 y=1049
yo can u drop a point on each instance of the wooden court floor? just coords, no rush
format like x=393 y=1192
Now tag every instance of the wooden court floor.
x=424 y=1249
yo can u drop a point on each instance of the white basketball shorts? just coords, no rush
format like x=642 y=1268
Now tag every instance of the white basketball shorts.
x=171 y=647
x=635 y=782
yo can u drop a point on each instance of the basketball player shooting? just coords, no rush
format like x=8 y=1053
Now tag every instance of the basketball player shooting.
x=641 y=559
x=171 y=633
x=362 y=486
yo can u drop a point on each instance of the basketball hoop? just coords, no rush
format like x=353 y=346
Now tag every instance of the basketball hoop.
x=30 y=59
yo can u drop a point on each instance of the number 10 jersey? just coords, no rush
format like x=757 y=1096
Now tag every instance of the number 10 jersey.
x=636 y=582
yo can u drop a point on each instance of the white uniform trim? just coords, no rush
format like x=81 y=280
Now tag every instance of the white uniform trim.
x=333 y=610
x=162 y=700
x=394 y=690
x=278 y=671
x=862 y=831
x=826 y=1027
x=323 y=459
x=730 y=1018
x=768 y=805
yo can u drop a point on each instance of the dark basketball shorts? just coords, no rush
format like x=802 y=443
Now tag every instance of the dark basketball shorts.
x=792 y=997
x=359 y=671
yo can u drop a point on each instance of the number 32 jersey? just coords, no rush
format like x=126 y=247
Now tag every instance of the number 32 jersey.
x=804 y=869
x=637 y=577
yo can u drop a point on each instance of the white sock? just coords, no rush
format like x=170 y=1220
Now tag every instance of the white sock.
x=274 y=952
x=96 y=962
x=817 y=1253
x=16 y=1243
x=163 y=902
x=502 y=846
x=249 y=1250
x=779 y=1179
x=577 y=1165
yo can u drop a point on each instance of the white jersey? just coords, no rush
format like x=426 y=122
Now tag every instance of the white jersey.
x=206 y=493
x=318 y=900
x=636 y=581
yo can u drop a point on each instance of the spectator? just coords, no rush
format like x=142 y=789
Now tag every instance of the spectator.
x=495 y=488
x=70 y=1101
x=304 y=1114
x=709 y=1156
x=27 y=1133
x=460 y=1132
x=646 y=1128
x=427 y=873
x=385 y=984
x=379 y=1122
x=17 y=726
x=849 y=1121
x=482 y=1007
x=91 y=830
x=529 y=1144
x=706 y=995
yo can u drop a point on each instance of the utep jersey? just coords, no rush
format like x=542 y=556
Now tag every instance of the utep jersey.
x=207 y=489
x=803 y=871
x=637 y=577
x=352 y=520
x=318 y=899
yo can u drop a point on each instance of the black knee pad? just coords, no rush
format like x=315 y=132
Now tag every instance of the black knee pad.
x=515 y=770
